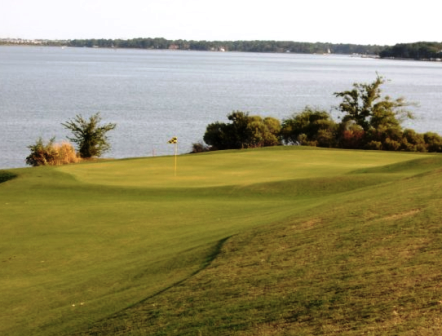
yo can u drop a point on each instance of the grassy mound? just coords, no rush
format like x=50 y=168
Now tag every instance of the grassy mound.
x=259 y=242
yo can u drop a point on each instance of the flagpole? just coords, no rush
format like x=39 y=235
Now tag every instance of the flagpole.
x=176 y=150
x=174 y=141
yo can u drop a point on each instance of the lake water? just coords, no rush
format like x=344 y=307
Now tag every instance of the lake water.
x=155 y=95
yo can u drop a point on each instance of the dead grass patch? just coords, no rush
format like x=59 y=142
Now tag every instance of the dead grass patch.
x=402 y=215
x=308 y=224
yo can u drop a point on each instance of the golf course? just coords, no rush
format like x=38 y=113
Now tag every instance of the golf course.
x=286 y=240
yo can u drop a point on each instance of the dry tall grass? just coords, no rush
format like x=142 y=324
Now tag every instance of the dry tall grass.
x=64 y=153
x=52 y=154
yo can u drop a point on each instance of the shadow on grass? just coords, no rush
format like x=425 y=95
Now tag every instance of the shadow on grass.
x=215 y=251
x=6 y=176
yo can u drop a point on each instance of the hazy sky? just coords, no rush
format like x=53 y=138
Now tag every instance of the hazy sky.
x=337 y=21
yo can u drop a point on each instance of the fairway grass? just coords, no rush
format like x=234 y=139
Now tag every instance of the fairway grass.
x=290 y=240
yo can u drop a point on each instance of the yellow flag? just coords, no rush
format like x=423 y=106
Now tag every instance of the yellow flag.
x=174 y=140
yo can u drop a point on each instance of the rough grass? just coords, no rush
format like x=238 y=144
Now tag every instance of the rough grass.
x=259 y=242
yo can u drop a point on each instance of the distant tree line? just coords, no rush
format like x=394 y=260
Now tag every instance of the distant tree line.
x=243 y=46
x=370 y=121
x=417 y=51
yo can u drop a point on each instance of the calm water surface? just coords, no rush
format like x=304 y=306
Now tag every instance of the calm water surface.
x=155 y=95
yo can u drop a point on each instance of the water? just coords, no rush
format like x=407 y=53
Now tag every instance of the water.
x=155 y=95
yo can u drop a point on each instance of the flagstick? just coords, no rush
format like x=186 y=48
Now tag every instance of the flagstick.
x=176 y=150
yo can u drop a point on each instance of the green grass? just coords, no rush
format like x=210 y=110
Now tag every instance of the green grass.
x=290 y=240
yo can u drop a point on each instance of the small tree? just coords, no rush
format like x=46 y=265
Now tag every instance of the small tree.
x=365 y=106
x=90 y=138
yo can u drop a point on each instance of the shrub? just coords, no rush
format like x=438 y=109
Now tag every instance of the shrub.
x=391 y=145
x=433 y=142
x=199 y=147
x=310 y=127
x=352 y=139
x=303 y=140
x=374 y=145
x=244 y=131
x=65 y=154
x=51 y=154
x=413 y=142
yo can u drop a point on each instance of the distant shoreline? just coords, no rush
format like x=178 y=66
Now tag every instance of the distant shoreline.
x=227 y=51
x=218 y=46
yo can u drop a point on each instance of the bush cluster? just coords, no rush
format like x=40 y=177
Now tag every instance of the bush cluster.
x=90 y=137
x=370 y=122
x=317 y=128
x=51 y=153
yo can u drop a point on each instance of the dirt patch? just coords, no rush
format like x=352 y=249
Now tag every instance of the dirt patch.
x=403 y=214
x=307 y=225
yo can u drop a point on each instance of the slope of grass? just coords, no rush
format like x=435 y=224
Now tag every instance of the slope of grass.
x=318 y=275
x=365 y=263
x=220 y=248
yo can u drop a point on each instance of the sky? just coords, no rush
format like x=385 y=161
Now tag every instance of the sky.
x=381 y=22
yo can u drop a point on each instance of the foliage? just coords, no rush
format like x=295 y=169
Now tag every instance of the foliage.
x=418 y=51
x=263 y=132
x=244 y=131
x=91 y=139
x=371 y=121
x=199 y=147
x=351 y=136
x=310 y=127
x=413 y=142
x=433 y=142
x=365 y=106
x=243 y=46
x=51 y=153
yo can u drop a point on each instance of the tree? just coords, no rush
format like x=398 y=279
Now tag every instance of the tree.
x=365 y=106
x=90 y=138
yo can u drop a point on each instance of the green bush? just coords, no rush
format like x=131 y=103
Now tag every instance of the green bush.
x=244 y=131
x=391 y=145
x=433 y=142
x=199 y=147
x=310 y=127
x=413 y=142
x=374 y=145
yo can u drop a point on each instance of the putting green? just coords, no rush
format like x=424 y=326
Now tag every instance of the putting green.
x=233 y=167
